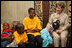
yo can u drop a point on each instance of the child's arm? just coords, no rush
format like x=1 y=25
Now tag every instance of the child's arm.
x=51 y=33
x=33 y=30
x=10 y=37
x=49 y=29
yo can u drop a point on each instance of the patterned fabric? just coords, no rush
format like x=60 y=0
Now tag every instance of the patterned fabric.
x=69 y=10
x=47 y=39
x=38 y=10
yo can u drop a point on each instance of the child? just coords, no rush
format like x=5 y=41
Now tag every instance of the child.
x=6 y=30
x=6 y=36
x=33 y=28
x=13 y=25
x=46 y=33
x=20 y=36
x=5 y=40
x=47 y=39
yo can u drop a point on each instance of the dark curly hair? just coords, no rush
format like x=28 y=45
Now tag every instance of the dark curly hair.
x=30 y=9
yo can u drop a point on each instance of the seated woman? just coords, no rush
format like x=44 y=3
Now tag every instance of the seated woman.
x=33 y=27
x=20 y=36
x=61 y=32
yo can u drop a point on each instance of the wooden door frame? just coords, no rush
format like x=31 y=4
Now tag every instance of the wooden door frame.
x=45 y=8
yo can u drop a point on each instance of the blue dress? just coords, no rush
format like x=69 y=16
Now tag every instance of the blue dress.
x=47 y=39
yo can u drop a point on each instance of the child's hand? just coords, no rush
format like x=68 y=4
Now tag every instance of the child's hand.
x=51 y=35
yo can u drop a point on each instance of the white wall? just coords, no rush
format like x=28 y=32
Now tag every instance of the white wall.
x=15 y=10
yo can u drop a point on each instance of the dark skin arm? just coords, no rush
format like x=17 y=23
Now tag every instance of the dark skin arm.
x=51 y=33
x=37 y=30
x=33 y=30
x=49 y=29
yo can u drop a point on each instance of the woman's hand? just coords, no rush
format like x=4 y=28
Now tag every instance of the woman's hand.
x=58 y=31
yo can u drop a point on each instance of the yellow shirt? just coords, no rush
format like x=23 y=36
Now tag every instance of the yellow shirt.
x=1 y=28
x=32 y=24
x=19 y=37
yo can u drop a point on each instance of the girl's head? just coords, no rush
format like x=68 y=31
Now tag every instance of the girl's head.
x=60 y=7
x=49 y=28
x=20 y=28
x=5 y=26
x=10 y=26
x=31 y=12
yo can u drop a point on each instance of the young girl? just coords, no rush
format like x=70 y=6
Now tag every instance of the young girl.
x=46 y=33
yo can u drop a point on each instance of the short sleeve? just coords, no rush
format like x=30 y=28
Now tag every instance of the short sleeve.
x=16 y=37
x=25 y=24
x=38 y=24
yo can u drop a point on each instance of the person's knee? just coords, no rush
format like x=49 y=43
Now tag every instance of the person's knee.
x=64 y=35
x=63 y=38
x=56 y=37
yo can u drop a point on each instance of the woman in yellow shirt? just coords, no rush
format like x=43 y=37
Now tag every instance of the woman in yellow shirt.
x=33 y=27
x=20 y=36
